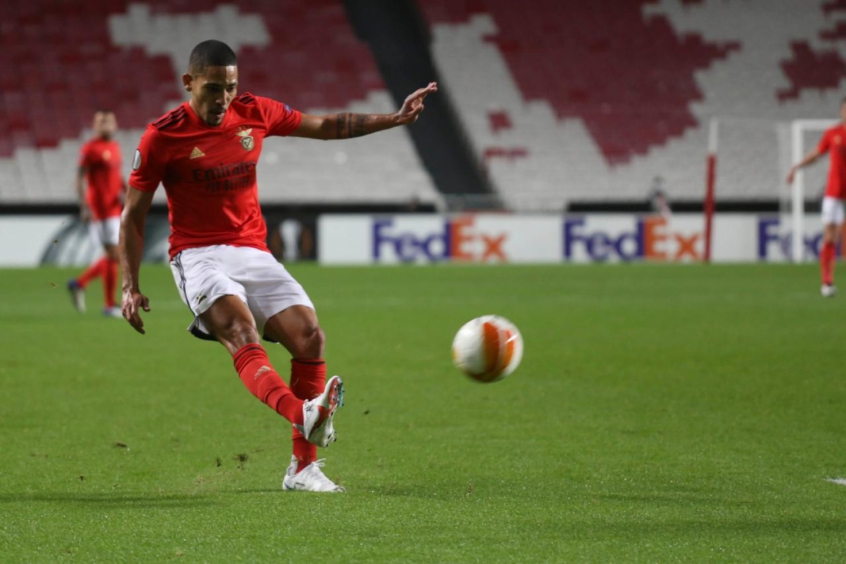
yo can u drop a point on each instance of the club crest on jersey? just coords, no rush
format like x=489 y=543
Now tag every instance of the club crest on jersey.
x=247 y=142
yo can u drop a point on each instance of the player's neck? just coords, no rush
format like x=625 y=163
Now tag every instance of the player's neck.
x=199 y=117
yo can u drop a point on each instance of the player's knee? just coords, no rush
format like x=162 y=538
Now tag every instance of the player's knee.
x=310 y=342
x=237 y=333
x=112 y=252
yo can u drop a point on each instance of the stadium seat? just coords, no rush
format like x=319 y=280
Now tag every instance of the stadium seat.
x=73 y=58
x=606 y=95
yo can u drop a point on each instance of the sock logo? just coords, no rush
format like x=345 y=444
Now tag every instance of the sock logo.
x=262 y=370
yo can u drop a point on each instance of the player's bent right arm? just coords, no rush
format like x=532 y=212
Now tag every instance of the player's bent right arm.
x=812 y=156
x=131 y=248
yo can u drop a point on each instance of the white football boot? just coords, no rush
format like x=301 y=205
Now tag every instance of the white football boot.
x=310 y=479
x=113 y=311
x=77 y=295
x=318 y=413
x=828 y=291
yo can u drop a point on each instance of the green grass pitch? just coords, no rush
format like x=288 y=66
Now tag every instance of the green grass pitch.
x=661 y=414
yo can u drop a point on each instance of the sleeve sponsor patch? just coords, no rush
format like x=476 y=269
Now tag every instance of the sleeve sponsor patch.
x=136 y=160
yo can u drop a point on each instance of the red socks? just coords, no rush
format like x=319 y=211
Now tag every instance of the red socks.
x=106 y=268
x=827 y=256
x=110 y=272
x=93 y=271
x=261 y=379
x=308 y=378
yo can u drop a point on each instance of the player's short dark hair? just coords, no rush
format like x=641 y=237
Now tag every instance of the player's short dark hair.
x=211 y=53
x=104 y=111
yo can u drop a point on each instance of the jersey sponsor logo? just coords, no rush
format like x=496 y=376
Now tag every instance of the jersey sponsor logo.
x=196 y=153
x=226 y=177
x=458 y=240
x=247 y=142
x=107 y=155
x=136 y=160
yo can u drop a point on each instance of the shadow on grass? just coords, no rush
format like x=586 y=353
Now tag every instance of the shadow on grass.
x=111 y=500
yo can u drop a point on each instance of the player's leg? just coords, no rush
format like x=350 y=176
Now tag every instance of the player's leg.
x=111 y=235
x=832 y=218
x=286 y=315
x=76 y=286
x=229 y=320
x=218 y=302
x=296 y=329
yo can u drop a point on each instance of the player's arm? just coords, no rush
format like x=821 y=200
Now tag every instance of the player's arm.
x=131 y=248
x=349 y=126
x=84 y=209
x=810 y=158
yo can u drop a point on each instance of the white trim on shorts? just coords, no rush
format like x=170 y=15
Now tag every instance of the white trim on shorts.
x=105 y=231
x=832 y=211
x=203 y=275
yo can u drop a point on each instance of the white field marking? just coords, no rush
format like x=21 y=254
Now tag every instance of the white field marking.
x=838 y=481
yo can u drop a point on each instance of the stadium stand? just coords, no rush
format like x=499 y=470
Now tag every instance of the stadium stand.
x=69 y=59
x=569 y=101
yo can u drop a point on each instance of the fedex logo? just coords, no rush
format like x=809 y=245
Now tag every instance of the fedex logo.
x=650 y=239
x=455 y=239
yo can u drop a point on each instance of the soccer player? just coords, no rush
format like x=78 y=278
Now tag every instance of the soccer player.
x=100 y=207
x=204 y=153
x=833 y=142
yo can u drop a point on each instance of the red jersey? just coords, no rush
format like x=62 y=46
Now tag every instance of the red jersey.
x=209 y=172
x=102 y=161
x=834 y=142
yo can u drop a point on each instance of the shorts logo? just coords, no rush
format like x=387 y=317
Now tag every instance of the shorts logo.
x=200 y=299
x=262 y=370
x=196 y=153
x=247 y=142
x=136 y=161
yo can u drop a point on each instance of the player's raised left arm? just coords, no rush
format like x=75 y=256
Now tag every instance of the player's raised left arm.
x=348 y=126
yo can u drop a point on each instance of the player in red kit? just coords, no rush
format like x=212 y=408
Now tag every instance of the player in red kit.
x=100 y=206
x=205 y=153
x=833 y=142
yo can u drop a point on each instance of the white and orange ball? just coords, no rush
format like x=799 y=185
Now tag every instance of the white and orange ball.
x=488 y=348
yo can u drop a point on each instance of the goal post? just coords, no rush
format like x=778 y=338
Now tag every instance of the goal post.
x=710 y=181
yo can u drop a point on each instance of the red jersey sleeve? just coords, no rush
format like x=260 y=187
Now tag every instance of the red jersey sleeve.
x=279 y=118
x=148 y=164
x=825 y=142
x=85 y=155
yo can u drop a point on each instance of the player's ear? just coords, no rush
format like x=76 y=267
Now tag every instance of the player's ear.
x=187 y=79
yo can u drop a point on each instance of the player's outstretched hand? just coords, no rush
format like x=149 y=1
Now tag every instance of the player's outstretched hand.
x=413 y=105
x=133 y=303
x=791 y=175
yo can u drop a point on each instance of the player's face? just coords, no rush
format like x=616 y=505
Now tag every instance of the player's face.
x=105 y=124
x=212 y=92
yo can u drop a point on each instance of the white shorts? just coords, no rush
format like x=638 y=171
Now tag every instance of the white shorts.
x=105 y=231
x=832 y=211
x=205 y=274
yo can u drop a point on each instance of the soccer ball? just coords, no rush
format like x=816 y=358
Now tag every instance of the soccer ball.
x=488 y=348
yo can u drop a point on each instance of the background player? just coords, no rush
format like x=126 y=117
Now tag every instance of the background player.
x=100 y=207
x=205 y=153
x=833 y=142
